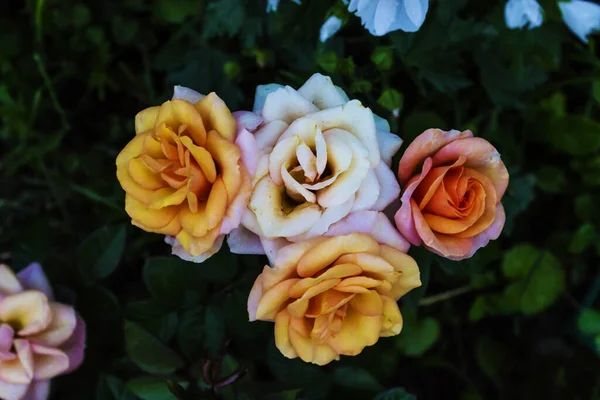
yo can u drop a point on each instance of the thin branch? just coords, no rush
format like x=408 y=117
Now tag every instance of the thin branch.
x=427 y=301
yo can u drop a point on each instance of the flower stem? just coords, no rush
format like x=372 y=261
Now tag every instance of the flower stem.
x=426 y=301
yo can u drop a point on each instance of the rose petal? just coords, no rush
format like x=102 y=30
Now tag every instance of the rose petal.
x=262 y=91
x=329 y=216
x=74 y=348
x=60 y=329
x=49 y=362
x=358 y=331
x=239 y=206
x=286 y=104
x=9 y=283
x=28 y=310
x=14 y=391
x=368 y=192
x=187 y=94
x=19 y=370
x=426 y=145
x=247 y=120
x=7 y=334
x=180 y=251
x=319 y=90
x=38 y=390
x=249 y=149
x=389 y=144
x=389 y=187
x=491 y=233
x=243 y=241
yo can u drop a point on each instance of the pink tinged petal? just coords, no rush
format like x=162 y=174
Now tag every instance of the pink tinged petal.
x=234 y=213
x=389 y=144
x=426 y=145
x=249 y=150
x=390 y=188
x=272 y=246
x=60 y=329
x=33 y=277
x=28 y=310
x=268 y=134
x=330 y=216
x=247 y=120
x=254 y=297
x=180 y=252
x=243 y=241
x=286 y=104
x=187 y=94
x=38 y=390
x=320 y=90
x=74 y=348
x=481 y=156
x=13 y=391
x=7 y=335
x=21 y=369
x=404 y=218
x=48 y=362
x=491 y=233
x=372 y=223
x=367 y=193
x=9 y=283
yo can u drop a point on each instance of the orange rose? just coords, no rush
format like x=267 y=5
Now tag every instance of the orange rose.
x=183 y=175
x=453 y=206
x=332 y=296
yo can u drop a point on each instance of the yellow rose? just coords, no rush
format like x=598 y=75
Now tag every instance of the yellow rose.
x=183 y=175
x=332 y=296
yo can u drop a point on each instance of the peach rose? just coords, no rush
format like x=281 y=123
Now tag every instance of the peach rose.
x=39 y=338
x=452 y=206
x=332 y=296
x=183 y=175
x=315 y=157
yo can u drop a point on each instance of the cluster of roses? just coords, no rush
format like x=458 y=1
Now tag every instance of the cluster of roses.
x=305 y=178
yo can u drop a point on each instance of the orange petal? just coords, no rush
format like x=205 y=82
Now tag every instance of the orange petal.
x=372 y=265
x=198 y=245
x=152 y=218
x=203 y=158
x=327 y=302
x=28 y=312
x=369 y=303
x=326 y=252
x=490 y=201
x=144 y=176
x=166 y=197
x=216 y=203
x=171 y=229
x=358 y=331
x=133 y=149
x=409 y=277
x=152 y=147
x=217 y=116
x=299 y=307
x=282 y=337
x=145 y=119
x=363 y=281
x=131 y=187
x=226 y=156
x=179 y=112
x=336 y=271
x=273 y=299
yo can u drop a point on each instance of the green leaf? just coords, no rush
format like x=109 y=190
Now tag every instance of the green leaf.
x=175 y=11
x=551 y=179
x=383 y=57
x=574 y=134
x=519 y=195
x=589 y=322
x=167 y=278
x=395 y=394
x=328 y=61
x=356 y=378
x=361 y=86
x=596 y=91
x=545 y=284
x=584 y=207
x=112 y=388
x=148 y=353
x=150 y=388
x=555 y=104
x=492 y=357
x=391 y=99
x=582 y=239
x=417 y=336
x=519 y=260
x=190 y=333
x=478 y=308
x=99 y=254
x=214 y=329
x=291 y=394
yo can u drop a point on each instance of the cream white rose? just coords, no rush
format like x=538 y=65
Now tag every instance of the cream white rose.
x=315 y=157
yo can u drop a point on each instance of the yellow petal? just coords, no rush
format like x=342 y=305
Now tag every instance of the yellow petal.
x=145 y=119
x=299 y=307
x=282 y=337
x=358 y=331
x=337 y=271
x=202 y=157
x=409 y=271
x=226 y=155
x=166 y=197
x=171 y=229
x=216 y=205
x=391 y=324
x=369 y=303
x=217 y=116
x=9 y=283
x=372 y=265
x=27 y=312
x=179 y=112
x=327 y=302
x=198 y=245
x=195 y=223
x=144 y=176
x=133 y=149
x=131 y=187
x=326 y=252
x=304 y=346
x=154 y=219
x=61 y=327
x=273 y=300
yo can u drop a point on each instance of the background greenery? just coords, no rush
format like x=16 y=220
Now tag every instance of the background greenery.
x=518 y=320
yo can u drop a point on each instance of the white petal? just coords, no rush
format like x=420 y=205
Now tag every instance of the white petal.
x=321 y=149
x=180 y=252
x=330 y=28
x=262 y=91
x=269 y=134
x=283 y=155
x=307 y=160
x=519 y=13
x=330 y=216
x=272 y=247
x=247 y=120
x=286 y=104
x=372 y=223
x=319 y=89
x=390 y=188
x=389 y=144
x=368 y=193
x=272 y=5
x=381 y=124
x=187 y=94
x=295 y=190
x=385 y=15
x=582 y=17
x=243 y=241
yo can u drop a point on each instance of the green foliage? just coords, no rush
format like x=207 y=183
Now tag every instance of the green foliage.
x=517 y=320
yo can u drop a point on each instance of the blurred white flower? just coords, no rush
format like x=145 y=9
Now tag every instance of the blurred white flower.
x=383 y=16
x=273 y=4
x=519 y=13
x=582 y=17
x=330 y=27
